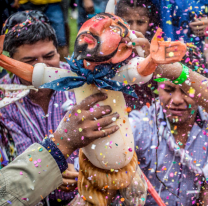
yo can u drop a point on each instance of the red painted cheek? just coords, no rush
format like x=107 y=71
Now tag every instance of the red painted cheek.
x=110 y=41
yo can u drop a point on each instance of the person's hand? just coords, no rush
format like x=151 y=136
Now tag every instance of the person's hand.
x=88 y=6
x=83 y=124
x=139 y=41
x=69 y=181
x=199 y=25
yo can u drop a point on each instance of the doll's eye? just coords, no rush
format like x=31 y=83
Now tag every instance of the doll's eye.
x=99 y=17
x=115 y=29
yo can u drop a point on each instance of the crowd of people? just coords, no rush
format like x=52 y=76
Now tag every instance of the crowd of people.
x=169 y=125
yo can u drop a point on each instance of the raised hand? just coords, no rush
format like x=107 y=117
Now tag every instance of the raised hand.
x=165 y=52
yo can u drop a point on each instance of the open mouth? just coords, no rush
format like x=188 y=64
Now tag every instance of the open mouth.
x=89 y=39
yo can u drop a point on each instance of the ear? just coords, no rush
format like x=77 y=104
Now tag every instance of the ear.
x=123 y=53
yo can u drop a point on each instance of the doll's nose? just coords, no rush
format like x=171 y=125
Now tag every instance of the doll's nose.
x=98 y=26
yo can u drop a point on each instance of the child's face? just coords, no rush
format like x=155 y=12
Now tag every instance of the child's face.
x=137 y=18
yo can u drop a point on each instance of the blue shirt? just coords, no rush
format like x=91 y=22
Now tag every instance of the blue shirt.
x=172 y=170
x=176 y=16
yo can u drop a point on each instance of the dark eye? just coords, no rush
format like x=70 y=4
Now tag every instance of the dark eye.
x=30 y=61
x=168 y=90
x=130 y=22
x=49 y=57
x=139 y=22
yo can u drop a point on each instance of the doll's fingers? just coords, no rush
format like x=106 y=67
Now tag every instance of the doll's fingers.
x=173 y=54
x=105 y=121
x=173 y=49
x=104 y=132
x=92 y=100
x=173 y=59
x=100 y=112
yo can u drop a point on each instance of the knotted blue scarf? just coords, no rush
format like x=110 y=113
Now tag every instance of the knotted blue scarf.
x=101 y=77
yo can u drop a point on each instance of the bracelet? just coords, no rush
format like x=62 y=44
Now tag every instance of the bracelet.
x=180 y=80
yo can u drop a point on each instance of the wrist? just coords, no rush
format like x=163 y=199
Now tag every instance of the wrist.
x=60 y=143
x=169 y=71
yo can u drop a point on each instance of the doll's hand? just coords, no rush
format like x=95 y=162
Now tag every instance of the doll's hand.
x=166 y=52
x=199 y=25
x=69 y=181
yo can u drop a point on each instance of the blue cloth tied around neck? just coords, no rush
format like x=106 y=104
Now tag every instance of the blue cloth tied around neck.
x=101 y=77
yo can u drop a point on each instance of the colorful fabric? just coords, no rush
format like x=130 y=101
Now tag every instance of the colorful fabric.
x=101 y=77
x=178 y=168
x=56 y=153
x=27 y=123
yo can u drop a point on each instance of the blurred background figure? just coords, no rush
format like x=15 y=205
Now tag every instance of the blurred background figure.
x=142 y=16
x=58 y=18
x=184 y=19
x=89 y=8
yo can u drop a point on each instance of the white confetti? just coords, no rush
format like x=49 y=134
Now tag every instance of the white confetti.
x=114 y=101
x=93 y=146
x=56 y=105
x=114 y=119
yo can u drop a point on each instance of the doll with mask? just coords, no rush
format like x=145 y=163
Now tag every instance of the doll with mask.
x=101 y=63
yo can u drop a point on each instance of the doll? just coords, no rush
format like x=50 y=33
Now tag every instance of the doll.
x=101 y=64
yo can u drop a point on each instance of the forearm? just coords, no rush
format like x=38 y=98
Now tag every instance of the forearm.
x=197 y=88
x=30 y=177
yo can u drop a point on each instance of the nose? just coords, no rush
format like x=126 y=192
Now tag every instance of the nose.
x=134 y=26
x=177 y=98
x=98 y=26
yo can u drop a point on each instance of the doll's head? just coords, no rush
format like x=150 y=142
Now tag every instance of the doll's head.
x=99 y=39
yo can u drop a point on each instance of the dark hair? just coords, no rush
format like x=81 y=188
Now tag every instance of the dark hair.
x=27 y=27
x=152 y=12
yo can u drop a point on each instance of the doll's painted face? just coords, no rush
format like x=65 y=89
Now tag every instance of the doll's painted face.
x=99 y=38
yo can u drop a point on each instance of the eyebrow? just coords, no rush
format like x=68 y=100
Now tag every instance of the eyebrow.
x=119 y=23
x=29 y=58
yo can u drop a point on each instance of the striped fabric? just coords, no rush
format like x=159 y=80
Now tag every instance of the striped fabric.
x=27 y=123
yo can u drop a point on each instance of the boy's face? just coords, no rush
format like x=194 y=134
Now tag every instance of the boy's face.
x=39 y=52
x=137 y=18
x=176 y=103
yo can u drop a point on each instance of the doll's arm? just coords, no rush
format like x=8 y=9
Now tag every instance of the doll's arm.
x=161 y=52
